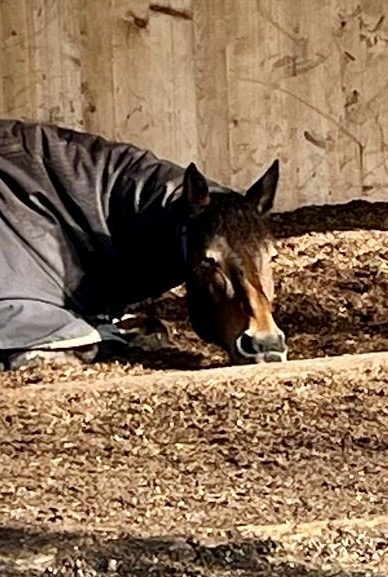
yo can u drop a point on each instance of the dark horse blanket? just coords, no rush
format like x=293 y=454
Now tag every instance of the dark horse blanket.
x=87 y=226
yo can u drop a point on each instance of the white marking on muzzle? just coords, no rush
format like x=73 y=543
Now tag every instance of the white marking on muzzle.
x=260 y=357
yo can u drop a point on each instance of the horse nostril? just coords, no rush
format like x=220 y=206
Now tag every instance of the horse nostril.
x=246 y=344
x=275 y=343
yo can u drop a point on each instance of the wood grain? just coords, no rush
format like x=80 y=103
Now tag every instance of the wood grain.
x=228 y=84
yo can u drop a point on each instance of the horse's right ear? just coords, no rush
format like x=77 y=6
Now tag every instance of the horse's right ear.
x=195 y=189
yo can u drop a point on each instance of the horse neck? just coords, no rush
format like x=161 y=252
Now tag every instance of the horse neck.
x=152 y=243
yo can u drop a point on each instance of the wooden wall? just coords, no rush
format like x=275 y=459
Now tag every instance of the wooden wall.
x=229 y=83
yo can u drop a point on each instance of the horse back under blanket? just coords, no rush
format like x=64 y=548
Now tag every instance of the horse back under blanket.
x=86 y=227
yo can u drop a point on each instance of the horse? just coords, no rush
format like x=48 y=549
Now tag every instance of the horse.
x=89 y=226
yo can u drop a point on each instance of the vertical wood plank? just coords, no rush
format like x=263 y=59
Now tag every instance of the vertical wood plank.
x=48 y=52
x=366 y=86
x=211 y=38
x=2 y=67
x=96 y=65
x=131 y=62
x=185 y=147
x=16 y=67
x=172 y=85
x=38 y=47
x=155 y=101
x=70 y=56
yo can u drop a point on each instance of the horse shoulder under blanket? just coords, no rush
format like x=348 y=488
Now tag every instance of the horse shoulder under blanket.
x=89 y=226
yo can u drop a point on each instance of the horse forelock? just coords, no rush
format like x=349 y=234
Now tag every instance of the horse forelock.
x=231 y=218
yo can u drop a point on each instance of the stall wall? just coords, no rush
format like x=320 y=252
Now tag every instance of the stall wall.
x=231 y=84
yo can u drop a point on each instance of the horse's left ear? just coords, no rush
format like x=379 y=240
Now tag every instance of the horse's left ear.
x=262 y=192
x=195 y=189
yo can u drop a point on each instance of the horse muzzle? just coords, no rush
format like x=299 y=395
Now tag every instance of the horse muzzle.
x=259 y=347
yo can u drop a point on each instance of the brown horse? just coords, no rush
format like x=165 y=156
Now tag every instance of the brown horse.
x=96 y=226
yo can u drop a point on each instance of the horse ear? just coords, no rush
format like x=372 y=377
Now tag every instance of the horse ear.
x=195 y=189
x=262 y=192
